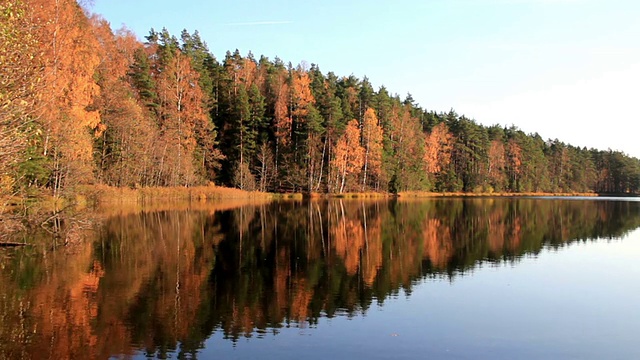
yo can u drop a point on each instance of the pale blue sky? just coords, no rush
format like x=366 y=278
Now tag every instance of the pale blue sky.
x=567 y=69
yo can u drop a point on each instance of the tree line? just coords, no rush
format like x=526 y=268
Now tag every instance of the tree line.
x=83 y=104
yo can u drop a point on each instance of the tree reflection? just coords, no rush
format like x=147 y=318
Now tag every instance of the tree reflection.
x=164 y=281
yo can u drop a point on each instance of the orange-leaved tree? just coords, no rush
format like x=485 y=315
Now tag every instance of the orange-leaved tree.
x=514 y=163
x=348 y=158
x=67 y=109
x=124 y=149
x=437 y=150
x=181 y=113
x=372 y=143
x=496 y=164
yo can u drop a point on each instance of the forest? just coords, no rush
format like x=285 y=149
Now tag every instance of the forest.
x=83 y=104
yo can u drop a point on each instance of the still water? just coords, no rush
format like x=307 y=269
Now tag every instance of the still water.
x=339 y=279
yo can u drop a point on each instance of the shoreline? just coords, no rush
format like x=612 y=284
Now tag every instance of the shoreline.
x=418 y=194
x=87 y=195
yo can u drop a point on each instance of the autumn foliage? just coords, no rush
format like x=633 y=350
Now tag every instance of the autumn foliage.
x=82 y=103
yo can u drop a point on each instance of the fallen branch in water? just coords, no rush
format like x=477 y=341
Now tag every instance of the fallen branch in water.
x=12 y=244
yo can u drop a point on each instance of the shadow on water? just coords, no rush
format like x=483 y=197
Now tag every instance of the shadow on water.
x=163 y=281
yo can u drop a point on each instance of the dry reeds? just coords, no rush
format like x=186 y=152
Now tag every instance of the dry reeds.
x=106 y=194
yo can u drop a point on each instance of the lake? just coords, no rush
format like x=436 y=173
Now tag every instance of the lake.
x=481 y=278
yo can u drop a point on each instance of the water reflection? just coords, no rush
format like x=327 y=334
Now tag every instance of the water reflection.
x=162 y=282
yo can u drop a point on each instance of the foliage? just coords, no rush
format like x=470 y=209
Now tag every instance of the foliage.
x=83 y=104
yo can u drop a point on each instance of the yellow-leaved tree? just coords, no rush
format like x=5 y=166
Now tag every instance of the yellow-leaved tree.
x=20 y=75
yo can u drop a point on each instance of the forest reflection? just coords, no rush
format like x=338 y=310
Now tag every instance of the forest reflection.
x=164 y=281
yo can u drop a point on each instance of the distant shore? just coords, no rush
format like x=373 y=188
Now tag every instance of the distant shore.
x=419 y=194
x=107 y=195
